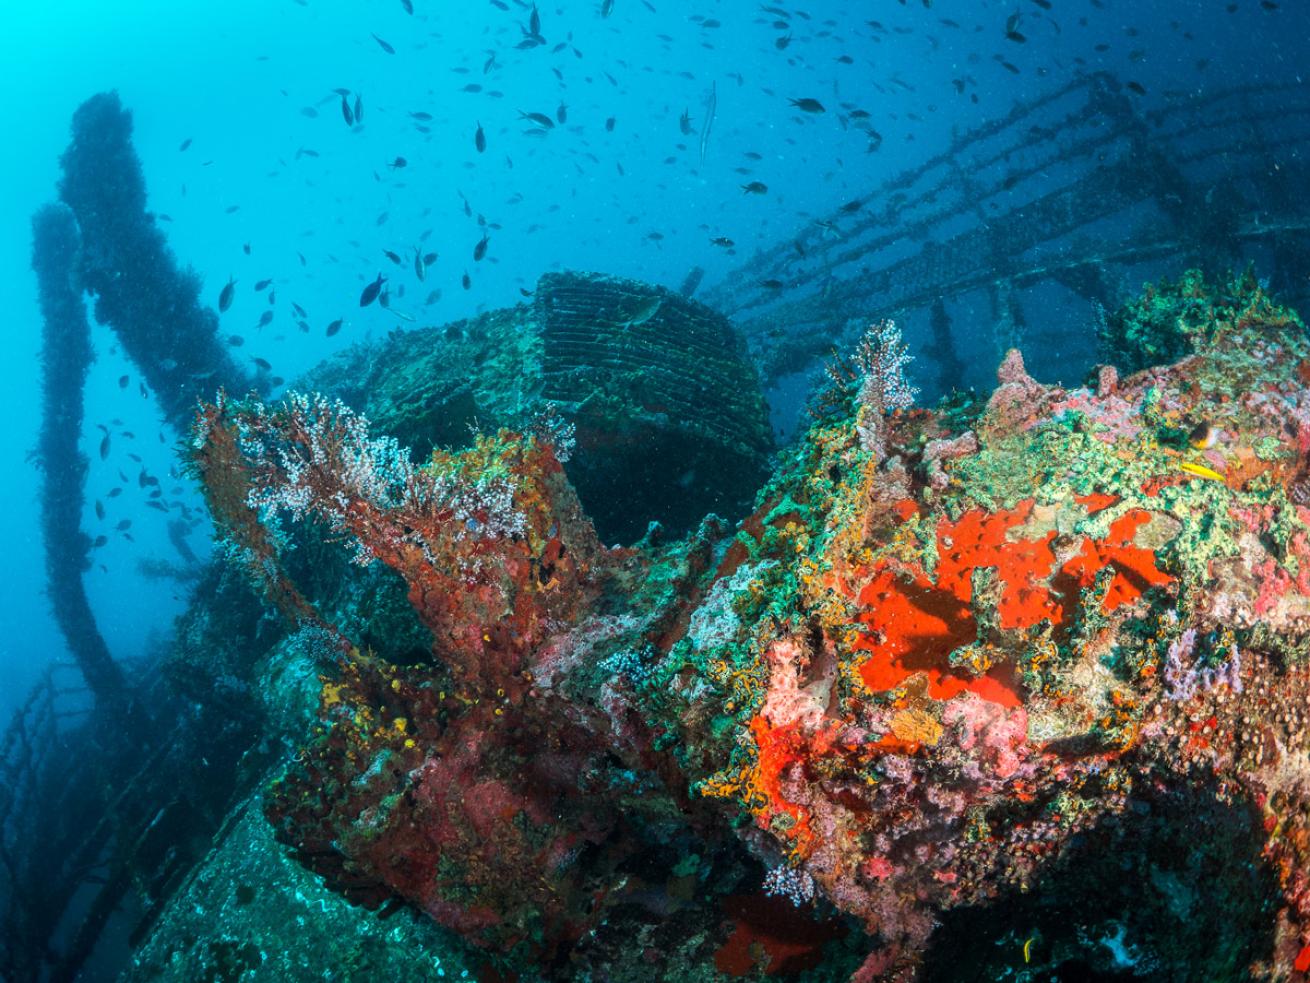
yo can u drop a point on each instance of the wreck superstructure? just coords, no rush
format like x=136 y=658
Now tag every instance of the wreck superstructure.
x=1026 y=213
x=1069 y=201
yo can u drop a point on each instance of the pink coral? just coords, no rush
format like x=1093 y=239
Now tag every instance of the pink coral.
x=999 y=735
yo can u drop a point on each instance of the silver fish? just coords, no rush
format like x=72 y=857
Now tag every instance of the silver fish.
x=710 y=106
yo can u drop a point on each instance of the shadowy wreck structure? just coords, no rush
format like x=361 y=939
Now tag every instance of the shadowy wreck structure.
x=119 y=833
x=653 y=393
x=1020 y=680
x=665 y=411
x=1069 y=202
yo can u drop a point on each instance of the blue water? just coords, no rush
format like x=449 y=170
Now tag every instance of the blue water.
x=250 y=83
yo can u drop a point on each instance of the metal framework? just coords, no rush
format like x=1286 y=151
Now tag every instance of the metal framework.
x=1078 y=190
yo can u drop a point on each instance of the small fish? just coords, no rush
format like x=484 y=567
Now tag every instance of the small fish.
x=347 y=113
x=104 y=447
x=467 y=280
x=100 y=509
x=227 y=293
x=334 y=327
x=420 y=270
x=265 y=319
x=562 y=114
x=235 y=340
x=1136 y=87
x=185 y=143
x=755 y=188
x=1203 y=436
x=409 y=7
x=609 y=125
x=707 y=124
x=480 y=250
x=123 y=380
x=262 y=285
x=263 y=364
x=398 y=163
x=383 y=45
x=643 y=313
x=359 y=109
x=394 y=257
x=606 y=7
x=808 y=105
x=480 y=140
x=723 y=241
x=1201 y=471
x=371 y=292
x=541 y=119
x=772 y=284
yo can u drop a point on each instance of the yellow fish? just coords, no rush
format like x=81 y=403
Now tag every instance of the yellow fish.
x=1201 y=471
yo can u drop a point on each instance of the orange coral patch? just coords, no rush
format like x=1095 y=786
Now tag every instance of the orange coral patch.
x=1302 y=960
x=981 y=539
x=916 y=623
x=780 y=748
x=1135 y=569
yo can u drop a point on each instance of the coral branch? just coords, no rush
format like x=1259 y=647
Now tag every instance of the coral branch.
x=491 y=540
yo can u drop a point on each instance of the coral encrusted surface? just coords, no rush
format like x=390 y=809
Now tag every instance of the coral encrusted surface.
x=1018 y=683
